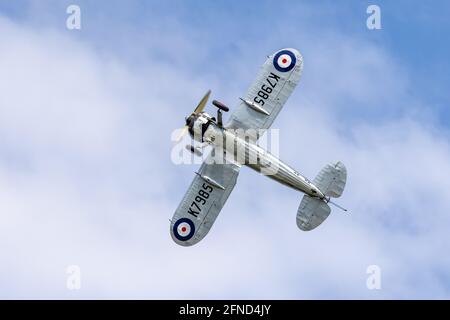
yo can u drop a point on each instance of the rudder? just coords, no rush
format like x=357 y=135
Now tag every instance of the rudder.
x=311 y=213
x=312 y=210
x=331 y=179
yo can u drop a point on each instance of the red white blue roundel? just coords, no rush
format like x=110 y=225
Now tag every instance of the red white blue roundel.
x=284 y=61
x=183 y=229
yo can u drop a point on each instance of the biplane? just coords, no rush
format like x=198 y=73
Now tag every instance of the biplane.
x=217 y=176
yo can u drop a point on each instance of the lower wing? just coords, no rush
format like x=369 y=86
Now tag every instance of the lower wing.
x=203 y=201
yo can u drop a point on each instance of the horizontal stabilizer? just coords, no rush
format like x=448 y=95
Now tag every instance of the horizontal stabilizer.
x=331 y=179
x=311 y=213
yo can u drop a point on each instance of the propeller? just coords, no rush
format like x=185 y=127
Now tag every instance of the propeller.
x=201 y=105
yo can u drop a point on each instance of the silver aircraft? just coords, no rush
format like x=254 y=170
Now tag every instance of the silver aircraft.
x=217 y=176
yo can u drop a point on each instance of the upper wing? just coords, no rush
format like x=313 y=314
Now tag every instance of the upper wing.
x=203 y=201
x=266 y=96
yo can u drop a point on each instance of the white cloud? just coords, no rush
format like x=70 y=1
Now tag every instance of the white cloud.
x=86 y=179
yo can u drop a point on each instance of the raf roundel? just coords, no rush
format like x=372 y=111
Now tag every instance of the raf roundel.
x=183 y=229
x=284 y=61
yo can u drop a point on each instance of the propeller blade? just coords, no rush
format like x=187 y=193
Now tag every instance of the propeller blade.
x=202 y=103
x=183 y=132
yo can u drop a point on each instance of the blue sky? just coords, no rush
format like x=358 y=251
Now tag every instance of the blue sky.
x=86 y=176
x=412 y=31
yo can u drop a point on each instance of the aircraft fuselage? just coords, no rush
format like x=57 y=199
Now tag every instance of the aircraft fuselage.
x=238 y=150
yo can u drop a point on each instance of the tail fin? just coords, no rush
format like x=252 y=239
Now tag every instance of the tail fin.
x=331 y=179
x=313 y=211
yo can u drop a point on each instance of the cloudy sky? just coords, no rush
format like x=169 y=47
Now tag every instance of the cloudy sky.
x=86 y=177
